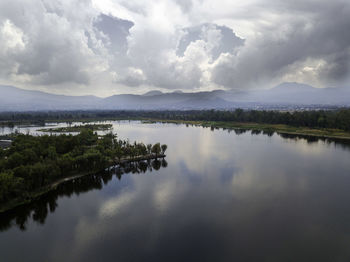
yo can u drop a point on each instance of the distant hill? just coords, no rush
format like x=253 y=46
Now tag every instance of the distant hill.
x=153 y=101
x=16 y=99
x=153 y=93
x=295 y=93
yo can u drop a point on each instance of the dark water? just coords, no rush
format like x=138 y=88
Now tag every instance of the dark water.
x=220 y=196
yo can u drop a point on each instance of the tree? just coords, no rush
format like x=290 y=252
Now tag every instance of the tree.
x=141 y=149
x=51 y=153
x=156 y=149
x=118 y=152
x=87 y=137
x=164 y=148
x=10 y=186
x=65 y=163
x=149 y=148
x=108 y=140
x=14 y=160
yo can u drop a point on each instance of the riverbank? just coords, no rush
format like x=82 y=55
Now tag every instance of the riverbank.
x=278 y=128
x=30 y=197
x=42 y=123
x=78 y=128
x=281 y=129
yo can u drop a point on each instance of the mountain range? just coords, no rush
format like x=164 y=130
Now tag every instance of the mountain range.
x=16 y=99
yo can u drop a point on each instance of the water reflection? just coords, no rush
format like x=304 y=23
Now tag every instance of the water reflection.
x=33 y=129
x=226 y=195
x=344 y=143
x=39 y=209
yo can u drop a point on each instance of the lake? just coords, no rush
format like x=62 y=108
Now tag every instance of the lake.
x=219 y=196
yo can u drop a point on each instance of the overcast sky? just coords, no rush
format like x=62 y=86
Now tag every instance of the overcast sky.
x=105 y=47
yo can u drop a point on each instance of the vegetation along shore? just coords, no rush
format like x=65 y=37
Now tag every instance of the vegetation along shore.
x=267 y=128
x=320 y=123
x=34 y=165
x=78 y=128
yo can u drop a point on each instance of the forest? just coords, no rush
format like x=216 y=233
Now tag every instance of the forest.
x=338 y=119
x=335 y=119
x=33 y=162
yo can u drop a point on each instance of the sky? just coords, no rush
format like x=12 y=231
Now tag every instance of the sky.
x=106 y=47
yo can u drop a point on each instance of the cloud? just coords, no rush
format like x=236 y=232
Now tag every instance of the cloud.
x=313 y=30
x=52 y=42
x=13 y=42
x=186 y=5
x=224 y=40
x=116 y=46
x=131 y=77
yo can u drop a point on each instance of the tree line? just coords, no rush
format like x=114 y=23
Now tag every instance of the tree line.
x=339 y=119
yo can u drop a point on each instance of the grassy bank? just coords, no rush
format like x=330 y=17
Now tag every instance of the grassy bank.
x=282 y=129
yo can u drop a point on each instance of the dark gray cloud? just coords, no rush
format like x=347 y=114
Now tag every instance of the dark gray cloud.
x=117 y=31
x=310 y=30
x=186 y=5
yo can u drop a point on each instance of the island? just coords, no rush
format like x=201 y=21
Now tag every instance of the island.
x=78 y=128
x=35 y=165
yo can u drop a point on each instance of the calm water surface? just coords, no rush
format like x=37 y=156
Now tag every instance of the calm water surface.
x=220 y=196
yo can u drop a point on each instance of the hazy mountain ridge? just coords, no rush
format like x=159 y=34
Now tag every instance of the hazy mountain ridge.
x=16 y=99
x=296 y=93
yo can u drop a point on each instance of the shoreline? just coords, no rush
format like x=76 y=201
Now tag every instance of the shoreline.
x=280 y=129
x=77 y=128
x=46 y=189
